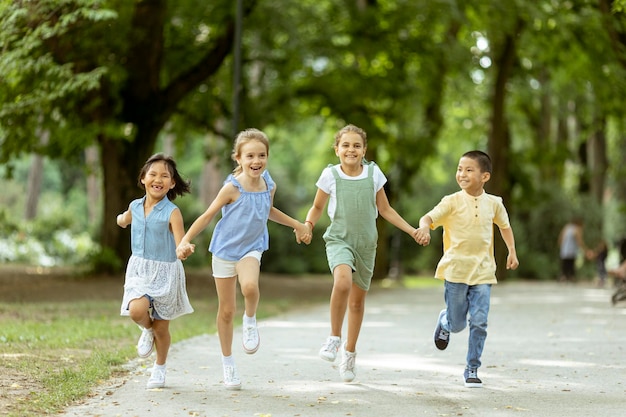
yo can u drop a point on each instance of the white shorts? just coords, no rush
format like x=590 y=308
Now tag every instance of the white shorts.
x=227 y=269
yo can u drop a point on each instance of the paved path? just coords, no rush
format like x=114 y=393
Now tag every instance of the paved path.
x=552 y=350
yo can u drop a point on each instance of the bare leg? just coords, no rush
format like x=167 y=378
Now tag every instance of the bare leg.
x=248 y=270
x=227 y=303
x=339 y=298
x=356 y=311
x=162 y=340
x=138 y=310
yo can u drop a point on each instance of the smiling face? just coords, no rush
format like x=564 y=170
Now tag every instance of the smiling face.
x=350 y=149
x=158 y=180
x=470 y=177
x=252 y=158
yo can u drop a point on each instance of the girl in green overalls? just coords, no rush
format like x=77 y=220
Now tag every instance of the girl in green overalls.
x=355 y=195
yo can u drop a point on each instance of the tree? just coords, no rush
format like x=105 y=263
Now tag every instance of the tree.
x=116 y=70
x=372 y=66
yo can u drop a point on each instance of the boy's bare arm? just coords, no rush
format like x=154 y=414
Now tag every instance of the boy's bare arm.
x=511 y=260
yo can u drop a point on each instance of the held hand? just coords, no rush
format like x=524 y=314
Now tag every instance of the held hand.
x=184 y=250
x=303 y=233
x=422 y=236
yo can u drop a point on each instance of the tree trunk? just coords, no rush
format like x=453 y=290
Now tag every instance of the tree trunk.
x=35 y=177
x=499 y=145
x=598 y=161
x=94 y=184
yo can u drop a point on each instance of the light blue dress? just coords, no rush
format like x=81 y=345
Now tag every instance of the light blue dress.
x=243 y=226
x=153 y=268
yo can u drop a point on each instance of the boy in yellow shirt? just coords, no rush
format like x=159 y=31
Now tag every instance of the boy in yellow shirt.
x=468 y=264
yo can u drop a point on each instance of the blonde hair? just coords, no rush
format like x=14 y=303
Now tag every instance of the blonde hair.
x=351 y=128
x=244 y=137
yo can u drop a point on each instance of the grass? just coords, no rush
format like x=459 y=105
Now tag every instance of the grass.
x=54 y=353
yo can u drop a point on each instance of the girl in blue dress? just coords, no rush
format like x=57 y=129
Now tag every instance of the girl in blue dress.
x=154 y=288
x=239 y=240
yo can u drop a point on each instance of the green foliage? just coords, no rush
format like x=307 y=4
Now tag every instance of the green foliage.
x=37 y=88
x=417 y=75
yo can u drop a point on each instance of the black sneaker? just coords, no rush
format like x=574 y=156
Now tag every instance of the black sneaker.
x=441 y=336
x=471 y=378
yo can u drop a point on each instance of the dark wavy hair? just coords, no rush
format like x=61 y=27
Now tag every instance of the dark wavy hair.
x=181 y=186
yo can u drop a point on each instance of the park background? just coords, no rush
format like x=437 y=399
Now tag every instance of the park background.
x=89 y=89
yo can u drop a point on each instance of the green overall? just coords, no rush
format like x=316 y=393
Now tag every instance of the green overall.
x=352 y=237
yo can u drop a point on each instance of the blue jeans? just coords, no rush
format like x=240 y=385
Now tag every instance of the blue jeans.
x=461 y=300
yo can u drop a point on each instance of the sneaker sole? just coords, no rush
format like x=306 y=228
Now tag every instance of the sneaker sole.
x=440 y=344
x=251 y=351
x=346 y=378
x=147 y=354
x=232 y=387
x=473 y=385
x=153 y=386
x=328 y=358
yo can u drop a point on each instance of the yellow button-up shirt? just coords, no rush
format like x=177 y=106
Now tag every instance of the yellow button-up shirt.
x=468 y=253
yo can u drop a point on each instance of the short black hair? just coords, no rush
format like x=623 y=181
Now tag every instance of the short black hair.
x=484 y=161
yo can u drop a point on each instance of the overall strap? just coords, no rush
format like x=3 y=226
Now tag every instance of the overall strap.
x=334 y=171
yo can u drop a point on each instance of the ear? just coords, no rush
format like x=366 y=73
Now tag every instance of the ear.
x=486 y=177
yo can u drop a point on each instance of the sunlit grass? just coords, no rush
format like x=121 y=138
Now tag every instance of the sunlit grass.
x=56 y=352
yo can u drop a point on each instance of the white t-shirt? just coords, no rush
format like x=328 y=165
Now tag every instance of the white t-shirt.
x=326 y=183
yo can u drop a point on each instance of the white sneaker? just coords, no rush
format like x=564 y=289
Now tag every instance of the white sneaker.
x=251 y=339
x=347 y=369
x=329 y=349
x=157 y=378
x=231 y=379
x=145 y=345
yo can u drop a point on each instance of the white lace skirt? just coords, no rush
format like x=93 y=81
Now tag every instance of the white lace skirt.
x=164 y=282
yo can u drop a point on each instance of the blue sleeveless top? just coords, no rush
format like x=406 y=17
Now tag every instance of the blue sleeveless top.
x=150 y=237
x=243 y=226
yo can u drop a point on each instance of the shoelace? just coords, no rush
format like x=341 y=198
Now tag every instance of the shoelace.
x=443 y=335
x=251 y=334
x=229 y=374
x=331 y=345
x=472 y=374
x=349 y=363
x=157 y=375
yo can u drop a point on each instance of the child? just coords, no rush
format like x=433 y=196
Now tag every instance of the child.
x=570 y=243
x=355 y=195
x=155 y=290
x=238 y=241
x=468 y=265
